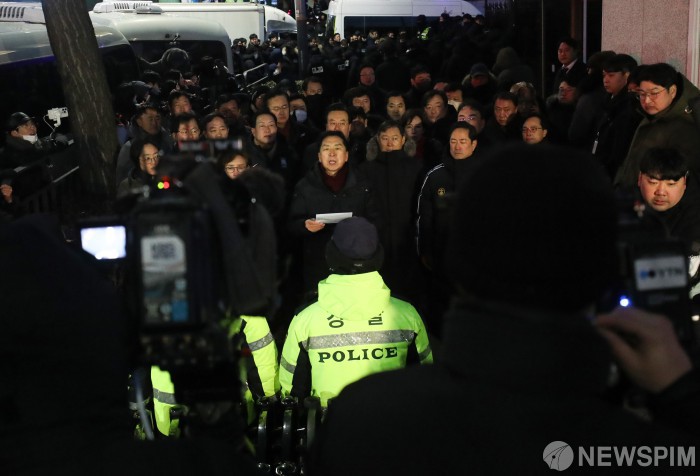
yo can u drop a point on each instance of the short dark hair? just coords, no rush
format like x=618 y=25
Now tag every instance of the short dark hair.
x=337 y=106
x=431 y=94
x=264 y=112
x=277 y=92
x=356 y=92
x=326 y=134
x=620 y=63
x=224 y=98
x=386 y=125
x=662 y=74
x=474 y=104
x=176 y=121
x=210 y=117
x=295 y=96
x=176 y=94
x=464 y=125
x=664 y=164
x=142 y=108
x=569 y=41
x=505 y=96
x=597 y=60
x=310 y=79
x=544 y=122
x=394 y=94
x=481 y=231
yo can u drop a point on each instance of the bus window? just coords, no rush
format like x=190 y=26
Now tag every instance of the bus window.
x=34 y=85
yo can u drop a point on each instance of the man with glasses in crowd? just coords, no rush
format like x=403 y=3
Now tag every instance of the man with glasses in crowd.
x=298 y=136
x=663 y=95
x=472 y=112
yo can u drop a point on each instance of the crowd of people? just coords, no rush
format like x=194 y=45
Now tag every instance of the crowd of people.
x=419 y=166
x=406 y=114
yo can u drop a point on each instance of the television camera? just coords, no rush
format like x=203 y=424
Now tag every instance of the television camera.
x=195 y=248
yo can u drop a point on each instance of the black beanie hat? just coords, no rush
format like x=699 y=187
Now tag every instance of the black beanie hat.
x=535 y=226
x=354 y=247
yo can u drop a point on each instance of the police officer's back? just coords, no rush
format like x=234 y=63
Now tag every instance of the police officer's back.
x=356 y=328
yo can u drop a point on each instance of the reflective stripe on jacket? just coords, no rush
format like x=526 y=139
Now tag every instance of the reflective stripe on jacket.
x=355 y=329
x=260 y=378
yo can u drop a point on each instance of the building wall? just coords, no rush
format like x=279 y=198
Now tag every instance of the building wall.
x=652 y=31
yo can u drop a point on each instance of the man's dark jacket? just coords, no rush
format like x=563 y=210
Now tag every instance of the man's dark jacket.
x=394 y=176
x=510 y=382
x=311 y=197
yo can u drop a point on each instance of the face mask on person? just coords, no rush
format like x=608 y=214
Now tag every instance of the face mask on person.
x=454 y=104
x=300 y=115
x=31 y=139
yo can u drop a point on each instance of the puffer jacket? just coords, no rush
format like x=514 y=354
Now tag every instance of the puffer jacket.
x=673 y=128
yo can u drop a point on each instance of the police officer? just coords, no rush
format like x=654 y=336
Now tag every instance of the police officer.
x=355 y=328
x=260 y=379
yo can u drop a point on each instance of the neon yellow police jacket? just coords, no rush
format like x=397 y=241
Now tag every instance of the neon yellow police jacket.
x=354 y=329
x=260 y=377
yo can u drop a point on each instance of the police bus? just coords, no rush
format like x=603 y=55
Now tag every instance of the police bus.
x=29 y=80
x=348 y=16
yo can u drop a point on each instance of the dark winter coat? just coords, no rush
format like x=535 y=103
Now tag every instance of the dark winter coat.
x=434 y=206
x=137 y=178
x=509 y=383
x=615 y=130
x=674 y=128
x=311 y=197
x=394 y=176
x=19 y=152
x=280 y=159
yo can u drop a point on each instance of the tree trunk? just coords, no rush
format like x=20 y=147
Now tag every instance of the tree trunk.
x=87 y=95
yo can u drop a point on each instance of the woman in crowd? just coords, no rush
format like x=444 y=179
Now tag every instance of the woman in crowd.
x=144 y=155
x=428 y=151
x=234 y=163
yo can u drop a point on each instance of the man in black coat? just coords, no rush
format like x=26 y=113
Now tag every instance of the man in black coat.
x=393 y=169
x=269 y=149
x=620 y=116
x=332 y=186
x=672 y=198
x=524 y=360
